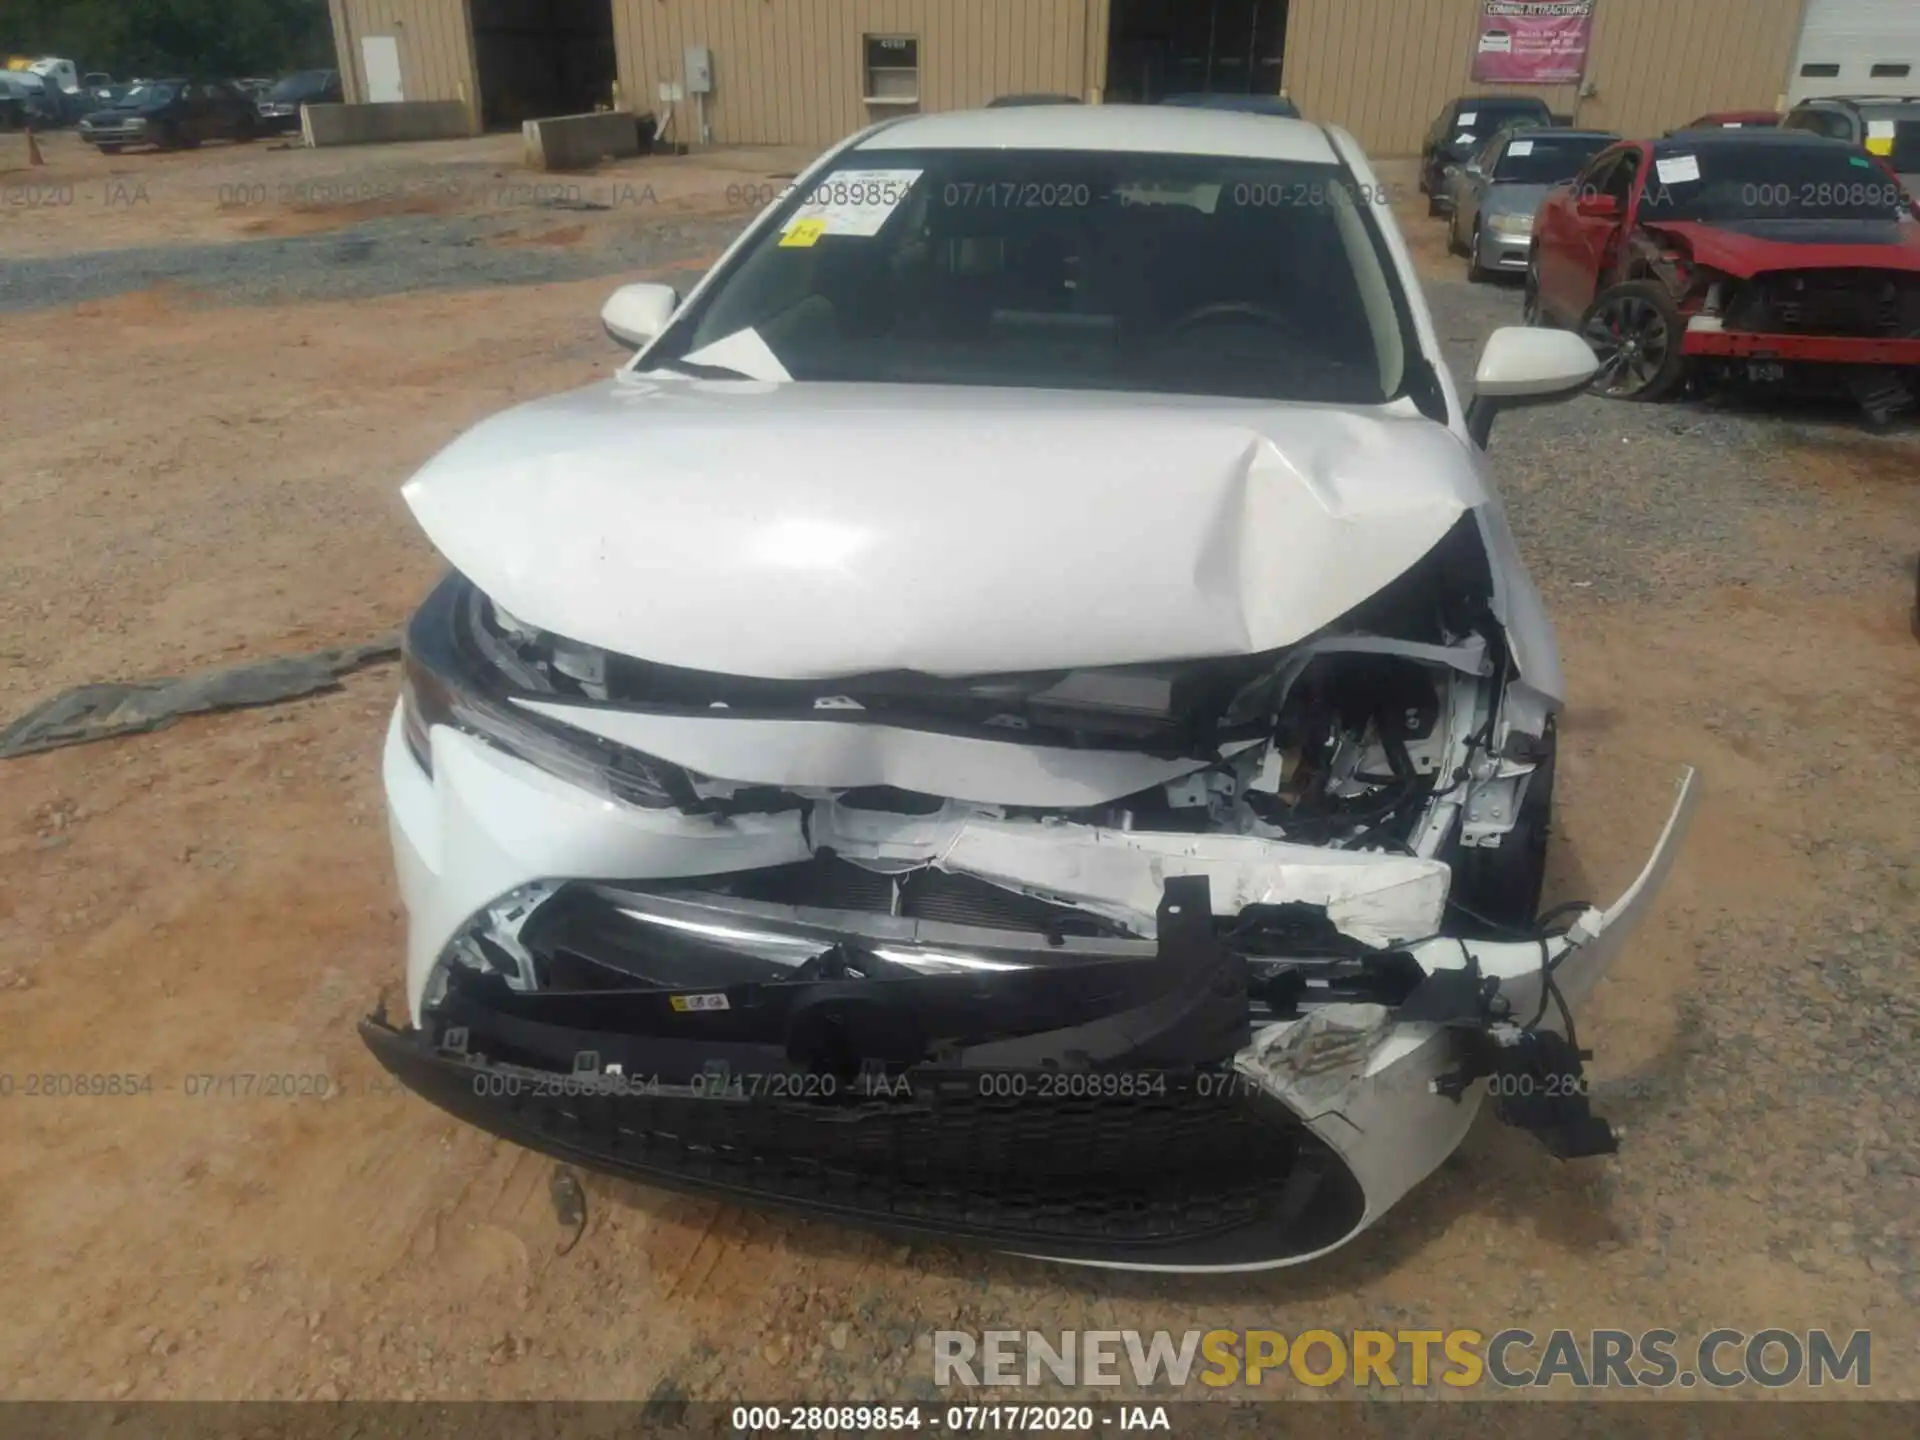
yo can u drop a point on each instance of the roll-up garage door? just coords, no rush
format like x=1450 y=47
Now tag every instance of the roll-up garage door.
x=1857 y=47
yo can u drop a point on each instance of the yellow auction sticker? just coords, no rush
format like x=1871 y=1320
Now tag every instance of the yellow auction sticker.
x=804 y=232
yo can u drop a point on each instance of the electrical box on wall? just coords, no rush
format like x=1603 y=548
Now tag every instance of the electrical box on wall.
x=699 y=67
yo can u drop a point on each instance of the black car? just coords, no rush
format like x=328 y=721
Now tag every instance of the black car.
x=278 y=108
x=1274 y=105
x=172 y=114
x=1461 y=128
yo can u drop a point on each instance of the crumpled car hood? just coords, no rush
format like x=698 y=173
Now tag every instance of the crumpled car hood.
x=806 y=531
x=1746 y=249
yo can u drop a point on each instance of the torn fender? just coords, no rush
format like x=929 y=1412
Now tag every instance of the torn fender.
x=1589 y=948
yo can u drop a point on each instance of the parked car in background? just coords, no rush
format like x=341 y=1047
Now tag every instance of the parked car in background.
x=46 y=105
x=1731 y=120
x=1276 y=105
x=1002 y=102
x=1000 y=789
x=172 y=114
x=1494 y=194
x=278 y=108
x=1462 y=127
x=1764 y=256
x=1884 y=125
x=24 y=102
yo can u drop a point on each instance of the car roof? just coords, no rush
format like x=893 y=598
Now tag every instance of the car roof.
x=1515 y=102
x=1117 y=129
x=1857 y=100
x=1555 y=132
x=1748 y=139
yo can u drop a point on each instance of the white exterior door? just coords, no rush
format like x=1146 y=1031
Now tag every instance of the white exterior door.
x=1857 y=47
x=380 y=58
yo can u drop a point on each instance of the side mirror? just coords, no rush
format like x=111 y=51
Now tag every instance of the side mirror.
x=1525 y=366
x=634 y=314
x=1597 y=207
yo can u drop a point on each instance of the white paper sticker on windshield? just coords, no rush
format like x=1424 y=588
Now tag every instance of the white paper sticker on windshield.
x=1677 y=169
x=1880 y=129
x=1520 y=147
x=1467 y=117
x=852 y=202
x=1463 y=139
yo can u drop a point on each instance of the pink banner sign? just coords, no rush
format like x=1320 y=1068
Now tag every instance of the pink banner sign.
x=1532 y=42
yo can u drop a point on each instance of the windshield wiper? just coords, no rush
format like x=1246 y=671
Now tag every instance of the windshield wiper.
x=701 y=371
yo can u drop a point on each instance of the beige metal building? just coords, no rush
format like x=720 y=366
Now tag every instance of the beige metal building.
x=811 y=71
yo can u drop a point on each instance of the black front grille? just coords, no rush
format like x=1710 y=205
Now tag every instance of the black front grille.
x=1874 y=303
x=1194 y=1170
x=830 y=883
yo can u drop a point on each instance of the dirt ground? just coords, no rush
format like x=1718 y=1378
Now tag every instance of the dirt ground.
x=81 y=200
x=185 y=484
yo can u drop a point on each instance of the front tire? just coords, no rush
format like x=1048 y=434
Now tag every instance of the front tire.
x=1475 y=275
x=1636 y=331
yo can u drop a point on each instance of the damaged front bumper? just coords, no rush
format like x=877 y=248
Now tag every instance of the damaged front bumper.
x=1173 y=1103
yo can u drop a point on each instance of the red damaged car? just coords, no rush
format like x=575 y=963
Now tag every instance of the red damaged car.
x=1753 y=255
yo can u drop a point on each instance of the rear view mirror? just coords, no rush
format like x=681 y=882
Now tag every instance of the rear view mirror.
x=1597 y=207
x=1525 y=366
x=634 y=314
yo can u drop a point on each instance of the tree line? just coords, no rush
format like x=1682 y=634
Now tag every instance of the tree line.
x=202 y=38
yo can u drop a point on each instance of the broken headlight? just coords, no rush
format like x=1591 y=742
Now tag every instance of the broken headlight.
x=445 y=680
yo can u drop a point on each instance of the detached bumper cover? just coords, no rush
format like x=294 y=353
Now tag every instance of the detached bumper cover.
x=1098 y=1118
x=1207 y=1174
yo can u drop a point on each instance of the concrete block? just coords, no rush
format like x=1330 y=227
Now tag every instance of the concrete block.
x=385 y=123
x=579 y=142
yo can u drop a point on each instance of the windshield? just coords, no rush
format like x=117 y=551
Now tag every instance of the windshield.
x=1063 y=269
x=1893 y=132
x=1824 y=180
x=294 y=87
x=1547 y=159
x=1478 y=119
x=146 y=97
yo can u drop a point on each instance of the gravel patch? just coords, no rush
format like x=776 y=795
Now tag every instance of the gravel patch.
x=393 y=255
x=1619 y=501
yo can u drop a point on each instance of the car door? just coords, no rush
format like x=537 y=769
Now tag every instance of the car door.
x=1572 y=245
x=1473 y=180
x=1437 y=158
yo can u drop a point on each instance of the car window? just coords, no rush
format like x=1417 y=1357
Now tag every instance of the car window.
x=1609 y=174
x=1479 y=119
x=1722 y=183
x=1547 y=159
x=1066 y=269
x=1893 y=133
x=1835 y=124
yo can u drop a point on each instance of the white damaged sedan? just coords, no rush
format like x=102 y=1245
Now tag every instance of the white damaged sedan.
x=1017 y=716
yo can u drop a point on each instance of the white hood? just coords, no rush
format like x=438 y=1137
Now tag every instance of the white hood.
x=805 y=531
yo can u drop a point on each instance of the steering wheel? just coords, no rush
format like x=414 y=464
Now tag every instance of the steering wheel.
x=1215 y=311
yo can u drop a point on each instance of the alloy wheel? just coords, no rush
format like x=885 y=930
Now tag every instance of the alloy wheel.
x=1631 y=338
